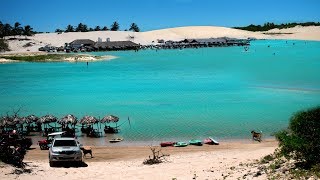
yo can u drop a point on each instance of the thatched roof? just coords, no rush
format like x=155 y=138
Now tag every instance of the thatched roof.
x=82 y=41
x=115 y=44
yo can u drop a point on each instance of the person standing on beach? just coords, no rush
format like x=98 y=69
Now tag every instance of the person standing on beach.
x=87 y=63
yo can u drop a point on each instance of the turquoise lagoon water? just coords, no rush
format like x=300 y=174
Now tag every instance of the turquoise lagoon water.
x=175 y=94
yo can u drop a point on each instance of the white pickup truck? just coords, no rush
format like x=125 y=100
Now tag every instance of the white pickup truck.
x=64 y=149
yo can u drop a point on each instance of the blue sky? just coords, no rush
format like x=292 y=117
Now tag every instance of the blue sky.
x=45 y=15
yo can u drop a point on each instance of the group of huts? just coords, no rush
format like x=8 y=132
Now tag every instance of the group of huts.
x=87 y=45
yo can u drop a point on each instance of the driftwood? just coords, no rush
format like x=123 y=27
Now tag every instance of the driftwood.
x=157 y=156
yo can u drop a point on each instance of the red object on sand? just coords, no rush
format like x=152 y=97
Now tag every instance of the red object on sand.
x=165 y=144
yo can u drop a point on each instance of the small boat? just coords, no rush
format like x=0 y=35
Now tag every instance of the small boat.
x=195 y=142
x=165 y=144
x=180 y=144
x=115 y=140
x=210 y=141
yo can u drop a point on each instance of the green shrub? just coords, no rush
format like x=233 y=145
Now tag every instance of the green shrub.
x=301 y=141
x=4 y=45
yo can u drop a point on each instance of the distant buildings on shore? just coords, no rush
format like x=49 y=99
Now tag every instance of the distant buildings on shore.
x=87 y=45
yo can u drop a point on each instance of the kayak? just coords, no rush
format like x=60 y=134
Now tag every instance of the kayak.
x=195 y=142
x=165 y=144
x=210 y=141
x=214 y=142
x=180 y=144
x=115 y=140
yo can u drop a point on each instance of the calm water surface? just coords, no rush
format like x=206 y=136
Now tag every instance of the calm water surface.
x=175 y=94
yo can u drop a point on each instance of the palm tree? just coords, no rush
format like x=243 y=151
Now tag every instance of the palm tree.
x=134 y=27
x=1 y=30
x=28 y=30
x=97 y=28
x=17 y=29
x=105 y=28
x=115 y=26
x=7 y=30
x=69 y=28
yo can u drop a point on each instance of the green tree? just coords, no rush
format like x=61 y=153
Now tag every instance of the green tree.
x=301 y=140
x=7 y=30
x=3 y=45
x=134 y=27
x=105 y=28
x=17 y=29
x=28 y=30
x=59 y=30
x=1 y=30
x=97 y=28
x=69 y=28
x=115 y=26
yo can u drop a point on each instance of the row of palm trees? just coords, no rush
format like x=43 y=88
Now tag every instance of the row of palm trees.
x=15 y=30
x=84 y=28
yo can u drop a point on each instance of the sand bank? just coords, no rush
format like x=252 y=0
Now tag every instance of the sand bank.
x=151 y=37
x=49 y=57
x=227 y=160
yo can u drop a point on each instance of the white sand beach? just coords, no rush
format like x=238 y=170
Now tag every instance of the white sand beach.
x=151 y=37
x=230 y=160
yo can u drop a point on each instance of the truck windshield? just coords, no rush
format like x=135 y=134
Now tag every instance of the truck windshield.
x=59 y=143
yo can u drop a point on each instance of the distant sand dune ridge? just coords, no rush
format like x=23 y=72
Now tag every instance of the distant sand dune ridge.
x=151 y=37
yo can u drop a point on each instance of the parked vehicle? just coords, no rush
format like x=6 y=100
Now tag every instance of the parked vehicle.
x=64 y=150
x=44 y=144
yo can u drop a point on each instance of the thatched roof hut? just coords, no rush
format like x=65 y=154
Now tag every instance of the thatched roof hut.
x=81 y=42
x=116 y=45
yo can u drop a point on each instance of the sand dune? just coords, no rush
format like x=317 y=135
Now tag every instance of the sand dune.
x=150 y=37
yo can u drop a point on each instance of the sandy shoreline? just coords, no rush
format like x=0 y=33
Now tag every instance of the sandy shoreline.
x=206 y=162
x=152 y=37
x=61 y=57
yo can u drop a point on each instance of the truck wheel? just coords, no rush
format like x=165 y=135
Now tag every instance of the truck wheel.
x=51 y=164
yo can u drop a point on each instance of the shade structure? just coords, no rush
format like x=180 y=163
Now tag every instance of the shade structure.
x=109 y=119
x=48 y=119
x=32 y=118
x=68 y=119
x=29 y=119
x=89 y=120
x=9 y=120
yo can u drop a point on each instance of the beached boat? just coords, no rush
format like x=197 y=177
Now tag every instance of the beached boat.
x=195 y=142
x=165 y=144
x=211 y=141
x=180 y=144
x=115 y=140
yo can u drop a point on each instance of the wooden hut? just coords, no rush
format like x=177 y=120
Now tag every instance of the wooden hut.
x=116 y=45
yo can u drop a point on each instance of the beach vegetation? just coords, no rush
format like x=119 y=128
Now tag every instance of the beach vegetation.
x=82 y=28
x=28 y=30
x=105 y=28
x=156 y=158
x=38 y=58
x=18 y=30
x=59 y=30
x=268 y=26
x=69 y=28
x=115 y=26
x=97 y=28
x=4 y=45
x=300 y=141
x=134 y=27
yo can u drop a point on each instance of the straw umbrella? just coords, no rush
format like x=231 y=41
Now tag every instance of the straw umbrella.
x=47 y=119
x=68 y=119
x=88 y=120
x=109 y=119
